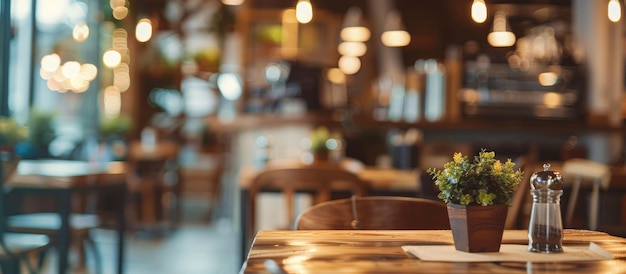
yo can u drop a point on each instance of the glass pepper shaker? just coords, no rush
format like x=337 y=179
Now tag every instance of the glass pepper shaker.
x=545 y=230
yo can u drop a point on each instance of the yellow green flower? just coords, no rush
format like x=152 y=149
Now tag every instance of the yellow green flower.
x=483 y=181
x=458 y=157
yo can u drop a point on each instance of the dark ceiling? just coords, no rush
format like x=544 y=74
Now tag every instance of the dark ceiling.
x=434 y=24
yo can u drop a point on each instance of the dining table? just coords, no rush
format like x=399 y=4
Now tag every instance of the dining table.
x=61 y=179
x=385 y=251
x=379 y=181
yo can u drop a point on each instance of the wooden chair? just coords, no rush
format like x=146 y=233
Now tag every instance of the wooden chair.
x=155 y=184
x=582 y=172
x=375 y=212
x=319 y=179
x=17 y=248
x=49 y=223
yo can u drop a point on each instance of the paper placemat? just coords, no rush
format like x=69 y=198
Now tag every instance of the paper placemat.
x=508 y=253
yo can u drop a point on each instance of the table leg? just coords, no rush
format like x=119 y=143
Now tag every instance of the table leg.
x=243 y=221
x=121 y=229
x=64 y=237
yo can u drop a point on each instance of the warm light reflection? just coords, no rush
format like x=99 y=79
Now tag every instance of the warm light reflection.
x=552 y=99
x=78 y=84
x=70 y=69
x=122 y=81
x=614 y=11
x=112 y=101
x=289 y=42
x=304 y=11
x=500 y=36
x=117 y=3
x=349 y=64
x=547 y=79
x=479 y=11
x=120 y=13
x=352 y=48
x=80 y=32
x=232 y=2
x=50 y=62
x=50 y=11
x=229 y=85
x=471 y=96
x=88 y=71
x=111 y=58
x=143 y=31
x=71 y=76
x=336 y=76
x=45 y=74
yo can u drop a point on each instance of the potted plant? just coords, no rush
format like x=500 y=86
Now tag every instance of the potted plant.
x=115 y=132
x=11 y=133
x=319 y=137
x=41 y=133
x=478 y=194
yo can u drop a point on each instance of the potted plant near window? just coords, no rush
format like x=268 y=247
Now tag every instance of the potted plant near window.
x=11 y=133
x=115 y=132
x=478 y=194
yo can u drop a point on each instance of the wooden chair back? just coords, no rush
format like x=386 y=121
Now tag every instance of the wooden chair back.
x=16 y=248
x=376 y=212
x=320 y=180
x=579 y=172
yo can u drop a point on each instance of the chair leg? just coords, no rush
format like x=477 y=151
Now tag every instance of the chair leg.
x=91 y=244
x=594 y=205
x=571 y=204
x=81 y=252
x=11 y=265
x=41 y=259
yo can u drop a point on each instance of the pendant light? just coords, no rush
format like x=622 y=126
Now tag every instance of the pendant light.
x=304 y=11
x=395 y=35
x=479 y=11
x=353 y=29
x=501 y=34
x=614 y=10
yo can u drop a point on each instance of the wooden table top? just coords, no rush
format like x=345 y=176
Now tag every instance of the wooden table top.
x=65 y=173
x=379 y=251
x=376 y=177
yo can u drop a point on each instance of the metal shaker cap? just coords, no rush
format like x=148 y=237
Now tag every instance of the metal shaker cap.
x=546 y=179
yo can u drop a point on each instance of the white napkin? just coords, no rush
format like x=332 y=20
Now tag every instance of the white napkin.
x=508 y=253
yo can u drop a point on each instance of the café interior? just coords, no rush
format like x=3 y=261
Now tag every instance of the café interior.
x=141 y=118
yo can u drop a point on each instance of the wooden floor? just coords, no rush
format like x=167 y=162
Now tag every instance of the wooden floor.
x=198 y=246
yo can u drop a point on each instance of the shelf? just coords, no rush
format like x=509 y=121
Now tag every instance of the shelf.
x=253 y=121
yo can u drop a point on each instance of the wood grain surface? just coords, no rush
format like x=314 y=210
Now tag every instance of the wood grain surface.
x=379 y=251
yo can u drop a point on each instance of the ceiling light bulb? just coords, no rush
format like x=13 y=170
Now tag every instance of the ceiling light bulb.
x=500 y=36
x=479 y=11
x=614 y=11
x=349 y=64
x=353 y=28
x=232 y=2
x=396 y=38
x=143 y=30
x=394 y=34
x=352 y=48
x=304 y=11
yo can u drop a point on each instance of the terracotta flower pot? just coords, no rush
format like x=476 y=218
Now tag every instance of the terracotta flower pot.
x=321 y=156
x=477 y=228
x=8 y=167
